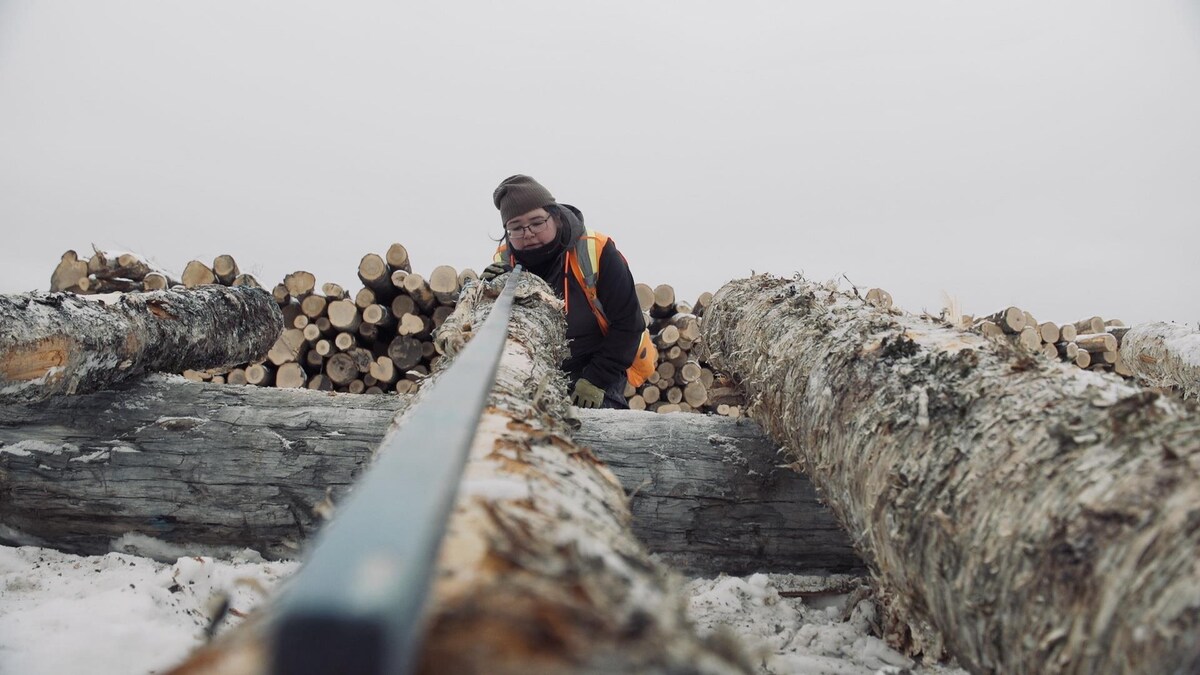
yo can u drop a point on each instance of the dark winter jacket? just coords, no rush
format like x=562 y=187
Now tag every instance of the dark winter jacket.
x=599 y=358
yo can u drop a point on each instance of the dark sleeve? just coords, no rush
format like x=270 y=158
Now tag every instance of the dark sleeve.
x=625 y=323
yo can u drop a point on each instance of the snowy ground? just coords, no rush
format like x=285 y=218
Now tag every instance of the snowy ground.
x=123 y=614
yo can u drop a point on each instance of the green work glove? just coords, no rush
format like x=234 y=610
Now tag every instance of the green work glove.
x=587 y=395
x=494 y=270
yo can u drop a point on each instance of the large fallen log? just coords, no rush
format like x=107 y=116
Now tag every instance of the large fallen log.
x=196 y=466
x=538 y=570
x=1162 y=354
x=62 y=343
x=711 y=494
x=1036 y=518
x=201 y=467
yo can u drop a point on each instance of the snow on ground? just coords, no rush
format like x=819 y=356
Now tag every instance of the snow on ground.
x=791 y=627
x=123 y=614
x=116 y=613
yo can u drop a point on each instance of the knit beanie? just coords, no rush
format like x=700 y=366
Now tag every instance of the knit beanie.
x=520 y=194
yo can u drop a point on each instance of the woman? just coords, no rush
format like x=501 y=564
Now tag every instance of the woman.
x=606 y=332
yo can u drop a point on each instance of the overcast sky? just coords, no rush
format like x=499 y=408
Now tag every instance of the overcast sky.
x=1038 y=153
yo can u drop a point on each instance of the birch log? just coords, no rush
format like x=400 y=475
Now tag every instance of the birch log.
x=538 y=570
x=1034 y=517
x=1162 y=354
x=65 y=344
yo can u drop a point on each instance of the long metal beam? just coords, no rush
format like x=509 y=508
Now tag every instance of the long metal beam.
x=356 y=604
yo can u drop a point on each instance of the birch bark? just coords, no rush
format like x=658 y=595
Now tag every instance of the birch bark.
x=1016 y=512
x=1162 y=354
x=61 y=343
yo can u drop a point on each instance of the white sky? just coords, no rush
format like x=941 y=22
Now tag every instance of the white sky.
x=1038 y=153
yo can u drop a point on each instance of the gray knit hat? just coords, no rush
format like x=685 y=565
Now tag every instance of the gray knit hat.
x=519 y=194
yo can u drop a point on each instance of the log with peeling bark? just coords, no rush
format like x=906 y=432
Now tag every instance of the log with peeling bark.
x=538 y=570
x=65 y=344
x=1162 y=354
x=1014 y=512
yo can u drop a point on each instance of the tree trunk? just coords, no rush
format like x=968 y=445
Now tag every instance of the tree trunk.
x=198 y=466
x=709 y=496
x=65 y=344
x=538 y=570
x=1164 y=354
x=1039 y=518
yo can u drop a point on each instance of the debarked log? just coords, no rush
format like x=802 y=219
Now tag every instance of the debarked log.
x=201 y=466
x=62 y=343
x=1034 y=517
x=538 y=570
x=198 y=466
x=712 y=494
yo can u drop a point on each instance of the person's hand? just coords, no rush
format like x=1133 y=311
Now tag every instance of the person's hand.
x=494 y=270
x=587 y=395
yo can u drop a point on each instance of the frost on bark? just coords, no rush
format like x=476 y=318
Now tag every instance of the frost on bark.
x=1163 y=354
x=62 y=343
x=1035 y=517
x=539 y=571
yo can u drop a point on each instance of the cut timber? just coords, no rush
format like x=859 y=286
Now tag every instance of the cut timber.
x=300 y=283
x=374 y=272
x=701 y=303
x=155 y=281
x=645 y=294
x=196 y=273
x=68 y=273
x=64 y=344
x=1035 y=517
x=1163 y=354
x=1097 y=342
x=443 y=281
x=1010 y=320
x=1049 y=332
x=664 y=302
x=397 y=258
x=288 y=348
x=538 y=570
x=1092 y=325
x=1068 y=333
x=334 y=291
x=877 y=297
x=417 y=288
x=291 y=376
x=343 y=315
x=225 y=268
x=1030 y=339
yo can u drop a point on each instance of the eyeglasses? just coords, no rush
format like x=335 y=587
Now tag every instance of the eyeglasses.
x=535 y=226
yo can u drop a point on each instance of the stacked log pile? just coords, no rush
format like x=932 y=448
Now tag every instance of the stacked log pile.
x=377 y=340
x=683 y=382
x=1093 y=343
x=380 y=338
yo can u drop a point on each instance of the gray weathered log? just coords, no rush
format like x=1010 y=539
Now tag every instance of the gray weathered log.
x=1036 y=517
x=710 y=494
x=199 y=465
x=194 y=465
x=65 y=344
x=538 y=571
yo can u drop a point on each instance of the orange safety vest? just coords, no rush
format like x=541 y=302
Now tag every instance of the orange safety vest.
x=583 y=262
